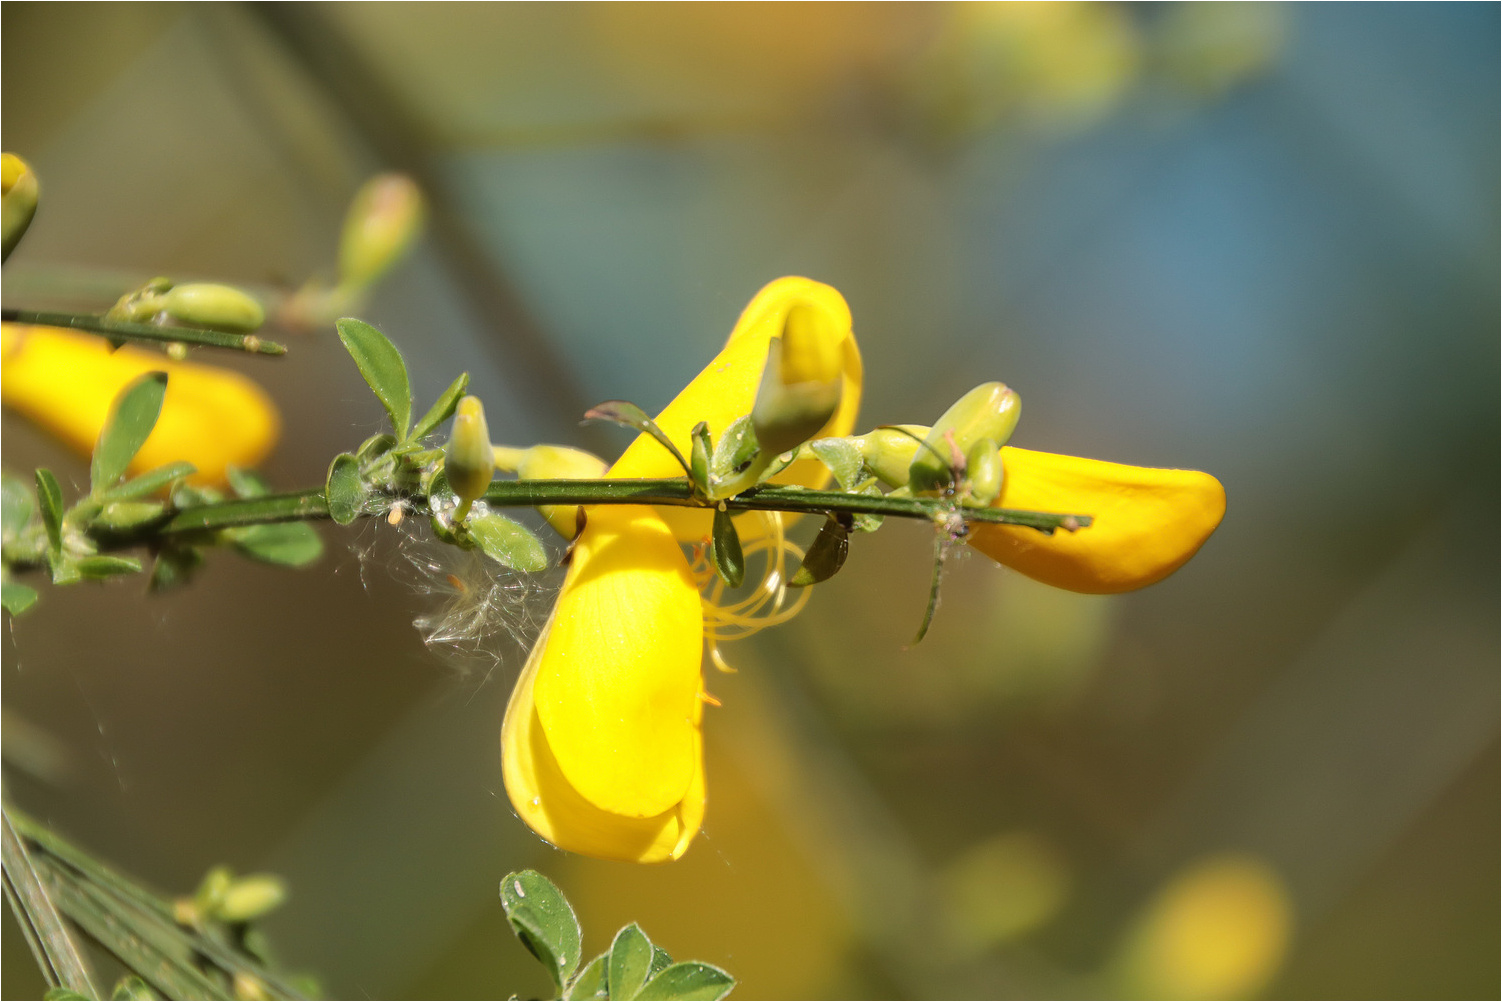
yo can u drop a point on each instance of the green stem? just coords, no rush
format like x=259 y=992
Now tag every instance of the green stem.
x=121 y=331
x=56 y=953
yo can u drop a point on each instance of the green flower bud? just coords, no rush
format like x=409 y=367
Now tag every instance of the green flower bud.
x=383 y=221
x=989 y=411
x=888 y=452
x=553 y=462
x=251 y=897
x=468 y=459
x=801 y=383
x=18 y=199
x=983 y=473
x=220 y=307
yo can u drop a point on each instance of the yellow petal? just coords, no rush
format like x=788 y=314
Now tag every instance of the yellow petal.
x=551 y=806
x=1147 y=522
x=726 y=390
x=617 y=676
x=65 y=382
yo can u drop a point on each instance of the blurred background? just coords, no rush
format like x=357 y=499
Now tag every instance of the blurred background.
x=1256 y=240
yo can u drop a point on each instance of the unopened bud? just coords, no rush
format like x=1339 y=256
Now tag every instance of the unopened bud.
x=802 y=382
x=468 y=459
x=555 y=462
x=888 y=452
x=383 y=220
x=18 y=199
x=989 y=411
x=220 y=307
x=251 y=897
x=983 y=473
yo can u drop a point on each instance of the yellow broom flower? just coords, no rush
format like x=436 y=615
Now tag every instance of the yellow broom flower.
x=601 y=747
x=64 y=381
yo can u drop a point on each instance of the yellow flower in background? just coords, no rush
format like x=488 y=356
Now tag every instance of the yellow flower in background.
x=1146 y=523
x=601 y=747
x=64 y=381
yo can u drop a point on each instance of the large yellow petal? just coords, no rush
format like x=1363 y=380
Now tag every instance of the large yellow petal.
x=551 y=806
x=726 y=390
x=65 y=382
x=617 y=676
x=1147 y=522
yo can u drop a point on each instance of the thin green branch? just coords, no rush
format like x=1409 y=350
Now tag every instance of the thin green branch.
x=93 y=323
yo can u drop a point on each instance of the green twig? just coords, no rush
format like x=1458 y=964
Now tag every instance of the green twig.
x=121 y=331
x=56 y=953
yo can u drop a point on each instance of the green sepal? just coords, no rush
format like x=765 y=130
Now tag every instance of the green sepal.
x=148 y=483
x=864 y=521
x=103 y=565
x=131 y=418
x=118 y=516
x=16 y=506
x=16 y=598
x=441 y=410
x=735 y=450
x=699 y=458
x=729 y=559
x=508 y=542
x=285 y=544
x=624 y=412
x=544 y=921
x=630 y=962
x=345 y=489
x=590 y=984
x=842 y=457
x=174 y=566
x=381 y=364
x=691 y=979
x=826 y=555
x=50 y=501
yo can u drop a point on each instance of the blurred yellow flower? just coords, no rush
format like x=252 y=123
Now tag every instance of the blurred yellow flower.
x=601 y=747
x=65 y=382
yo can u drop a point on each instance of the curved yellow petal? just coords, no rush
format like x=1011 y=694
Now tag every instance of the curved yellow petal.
x=1147 y=522
x=726 y=390
x=65 y=382
x=617 y=676
x=551 y=806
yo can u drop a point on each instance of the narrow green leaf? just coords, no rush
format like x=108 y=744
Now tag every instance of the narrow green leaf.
x=16 y=505
x=102 y=566
x=699 y=457
x=117 y=516
x=246 y=483
x=174 y=566
x=544 y=921
x=149 y=482
x=736 y=448
x=689 y=980
x=826 y=555
x=933 y=591
x=442 y=409
x=729 y=560
x=630 y=961
x=842 y=457
x=382 y=366
x=286 y=544
x=624 y=412
x=132 y=416
x=344 y=489
x=590 y=984
x=50 y=499
x=508 y=542
x=16 y=597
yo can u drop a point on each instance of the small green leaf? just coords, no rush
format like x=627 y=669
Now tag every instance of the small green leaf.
x=736 y=448
x=729 y=560
x=61 y=995
x=661 y=960
x=16 y=505
x=286 y=544
x=630 y=960
x=698 y=457
x=842 y=457
x=118 y=516
x=590 y=984
x=442 y=409
x=382 y=366
x=131 y=418
x=624 y=412
x=174 y=566
x=102 y=566
x=507 y=542
x=375 y=445
x=344 y=489
x=16 y=598
x=246 y=483
x=50 y=500
x=933 y=591
x=64 y=569
x=826 y=555
x=544 y=921
x=865 y=521
x=688 y=980
x=149 y=482
x=131 y=989
x=249 y=898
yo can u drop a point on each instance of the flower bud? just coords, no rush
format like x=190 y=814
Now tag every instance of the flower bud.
x=888 y=452
x=989 y=411
x=801 y=383
x=220 y=307
x=468 y=459
x=983 y=473
x=18 y=199
x=383 y=220
x=555 y=462
x=251 y=897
